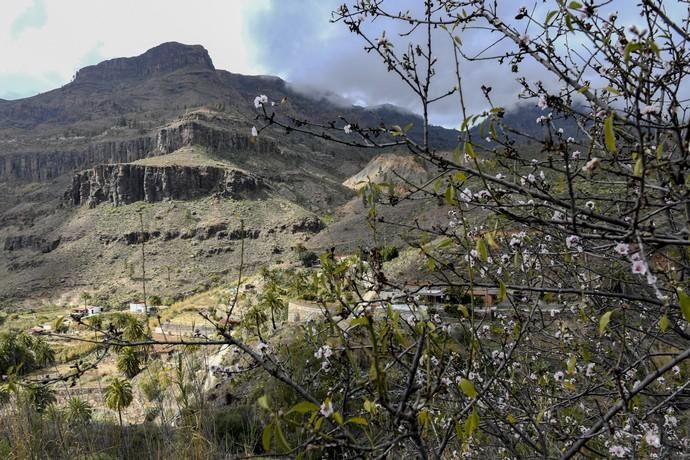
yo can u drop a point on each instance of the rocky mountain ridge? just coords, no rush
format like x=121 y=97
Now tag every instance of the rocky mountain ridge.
x=120 y=184
x=165 y=58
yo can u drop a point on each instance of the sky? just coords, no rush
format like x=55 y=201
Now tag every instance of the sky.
x=44 y=42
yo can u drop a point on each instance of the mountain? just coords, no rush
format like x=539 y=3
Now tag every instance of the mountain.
x=164 y=135
x=164 y=139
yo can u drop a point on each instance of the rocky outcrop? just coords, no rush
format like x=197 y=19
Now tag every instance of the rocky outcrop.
x=121 y=184
x=308 y=225
x=162 y=59
x=219 y=231
x=32 y=242
x=194 y=132
x=40 y=166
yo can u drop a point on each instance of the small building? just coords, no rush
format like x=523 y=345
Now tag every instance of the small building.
x=92 y=310
x=137 y=307
x=80 y=311
x=430 y=295
x=140 y=308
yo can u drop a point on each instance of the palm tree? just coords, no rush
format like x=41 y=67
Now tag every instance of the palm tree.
x=78 y=411
x=271 y=301
x=134 y=329
x=44 y=354
x=118 y=396
x=128 y=362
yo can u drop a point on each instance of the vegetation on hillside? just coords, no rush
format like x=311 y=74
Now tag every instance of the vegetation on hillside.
x=560 y=324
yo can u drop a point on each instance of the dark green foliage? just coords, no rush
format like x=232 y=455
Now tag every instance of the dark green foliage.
x=129 y=361
x=79 y=412
x=39 y=397
x=22 y=353
x=389 y=252
x=155 y=300
x=238 y=425
x=309 y=258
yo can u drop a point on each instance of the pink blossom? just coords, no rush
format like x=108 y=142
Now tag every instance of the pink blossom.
x=326 y=408
x=571 y=241
x=639 y=267
x=622 y=249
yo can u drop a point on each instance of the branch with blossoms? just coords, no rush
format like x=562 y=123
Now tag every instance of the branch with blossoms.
x=584 y=234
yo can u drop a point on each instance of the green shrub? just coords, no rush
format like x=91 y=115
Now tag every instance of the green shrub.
x=309 y=258
x=389 y=252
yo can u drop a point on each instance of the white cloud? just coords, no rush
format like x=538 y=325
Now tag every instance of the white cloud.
x=76 y=33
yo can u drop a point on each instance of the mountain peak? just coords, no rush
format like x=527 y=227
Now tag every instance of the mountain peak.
x=162 y=59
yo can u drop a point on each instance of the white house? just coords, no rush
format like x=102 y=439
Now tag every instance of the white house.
x=92 y=310
x=137 y=308
x=140 y=308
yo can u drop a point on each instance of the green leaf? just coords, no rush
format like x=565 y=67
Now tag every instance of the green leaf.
x=569 y=22
x=459 y=176
x=654 y=47
x=263 y=402
x=362 y=321
x=609 y=134
x=502 y=291
x=423 y=417
x=469 y=150
x=482 y=251
x=637 y=172
x=280 y=437
x=664 y=323
x=304 y=407
x=467 y=387
x=338 y=418
x=407 y=127
x=465 y=312
x=613 y=90
x=457 y=154
x=575 y=5
x=629 y=49
x=684 y=300
x=604 y=321
x=358 y=421
x=437 y=185
x=572 y=365
x=550 y=16
x=266 y=437
x=445 y=243
x=318 y=423
x=450 y=194
x=472 y=423
x=370 y=407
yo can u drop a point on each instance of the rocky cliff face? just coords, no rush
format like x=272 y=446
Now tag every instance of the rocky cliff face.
x=32 y=242
x=121 y=184
x=39 y=166
x=194 y=132
x=162 y=59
